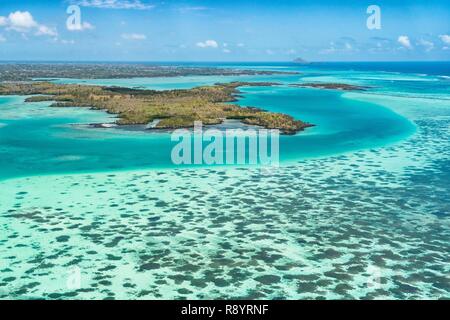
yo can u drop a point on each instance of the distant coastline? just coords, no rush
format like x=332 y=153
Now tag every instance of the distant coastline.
x=31 y=71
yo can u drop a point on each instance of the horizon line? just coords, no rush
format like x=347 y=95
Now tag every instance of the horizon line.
x=217 y=61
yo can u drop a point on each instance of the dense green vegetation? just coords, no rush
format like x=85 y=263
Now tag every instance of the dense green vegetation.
x=332 y=86
x=31 y=71
x=172 y=108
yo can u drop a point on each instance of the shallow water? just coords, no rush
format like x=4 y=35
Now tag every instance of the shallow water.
x=45 y=141
x=371 y=223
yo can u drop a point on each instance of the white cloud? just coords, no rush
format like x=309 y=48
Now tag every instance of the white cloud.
x=115 y=4
x=226 y=50
x=3 y=21
x=192 y=9
x=46 y=31
x=208 y=44
x=23 y=21
x=428 y=45
x=345 y=45
x=269 y=52
x=68 y=41
x=240 y=45
x=2 y=38
x=405 y=42
x=80 y=27
x=330 y=50
x=134 y=36
x=445 y=38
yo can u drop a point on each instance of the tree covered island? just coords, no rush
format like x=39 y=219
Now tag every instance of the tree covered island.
x=169 y=109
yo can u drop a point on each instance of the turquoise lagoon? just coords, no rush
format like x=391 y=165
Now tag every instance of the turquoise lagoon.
x=358 y=208
x=38 y=140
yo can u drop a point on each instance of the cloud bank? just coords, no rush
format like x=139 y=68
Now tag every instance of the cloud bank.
x=23 y=21
x=208 y=44
x=405 y=42
x=115 y=4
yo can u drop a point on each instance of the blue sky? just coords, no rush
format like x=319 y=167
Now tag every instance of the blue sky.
x=258 y=30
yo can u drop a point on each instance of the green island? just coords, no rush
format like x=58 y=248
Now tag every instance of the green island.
x=169 y=109
x=45 y=71
x=331 y=86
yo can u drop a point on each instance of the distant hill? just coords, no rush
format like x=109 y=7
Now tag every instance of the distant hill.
x=300 y=60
